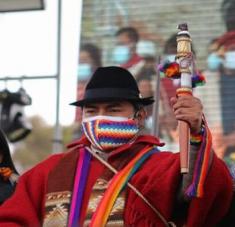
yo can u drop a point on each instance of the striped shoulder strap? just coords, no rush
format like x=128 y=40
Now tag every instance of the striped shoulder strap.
x=119 y=181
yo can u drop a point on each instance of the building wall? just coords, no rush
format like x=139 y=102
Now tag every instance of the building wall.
x=155 y=20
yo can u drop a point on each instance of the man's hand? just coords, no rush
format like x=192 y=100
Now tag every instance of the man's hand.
x=189 y=109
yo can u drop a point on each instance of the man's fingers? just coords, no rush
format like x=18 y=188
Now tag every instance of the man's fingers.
x=173 y=101
x=187 y=102
x=188 y=109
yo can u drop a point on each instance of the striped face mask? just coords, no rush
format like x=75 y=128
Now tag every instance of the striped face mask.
x=107 y=132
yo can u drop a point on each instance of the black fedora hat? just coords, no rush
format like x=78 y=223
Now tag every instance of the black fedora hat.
x=111 y=84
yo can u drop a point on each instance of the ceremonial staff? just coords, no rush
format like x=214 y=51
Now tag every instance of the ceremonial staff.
x=184 y=58
x=183 y=68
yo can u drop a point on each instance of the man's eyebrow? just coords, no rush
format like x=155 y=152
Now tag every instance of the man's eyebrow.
x=114 y=104
x=90 y=106
x=108 y=105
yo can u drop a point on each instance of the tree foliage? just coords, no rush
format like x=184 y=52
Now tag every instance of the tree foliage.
x=38 y=145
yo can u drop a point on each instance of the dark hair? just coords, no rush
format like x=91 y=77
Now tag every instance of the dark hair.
x=144 y=77
x=131 y=33
x=137 y=106
x=170 y=46
x=94 y=52
x=228 y=13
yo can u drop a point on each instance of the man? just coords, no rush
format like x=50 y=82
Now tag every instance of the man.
x=114 y=176
x=124 y=54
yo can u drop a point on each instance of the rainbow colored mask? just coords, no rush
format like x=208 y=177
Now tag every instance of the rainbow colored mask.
x=107 y=132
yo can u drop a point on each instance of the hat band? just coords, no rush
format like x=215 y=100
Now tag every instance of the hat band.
x=110 y=93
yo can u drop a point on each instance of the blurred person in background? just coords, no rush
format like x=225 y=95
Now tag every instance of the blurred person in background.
x=124 y=54
x=221 y=62
x=226 y=51
x=146 y=79
x=146 y=76
x=89 y=60
x=221 y=67
x=146 y=49
x=211 y=98
x=168 y=89
x=8 y=173
x=145 y=85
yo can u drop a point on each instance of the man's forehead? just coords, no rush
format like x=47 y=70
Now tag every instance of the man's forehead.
x=107 y=104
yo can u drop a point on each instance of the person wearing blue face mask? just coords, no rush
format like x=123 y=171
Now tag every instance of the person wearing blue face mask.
x=229 y=60
x=218 y=97
x=214 y=58
x=124 y=53
x=224 y=61
x=84 y=71
x=226 y=48
x=214 y=62
x=121 y=54
x=211 y=96
x=89 y=61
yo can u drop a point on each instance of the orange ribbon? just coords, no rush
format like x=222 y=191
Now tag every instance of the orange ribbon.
x=5 y=172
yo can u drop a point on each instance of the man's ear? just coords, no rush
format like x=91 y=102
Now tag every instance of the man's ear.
x=141 y=116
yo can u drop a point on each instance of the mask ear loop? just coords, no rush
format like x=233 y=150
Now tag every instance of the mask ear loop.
x=136 y=113
x=135 y=117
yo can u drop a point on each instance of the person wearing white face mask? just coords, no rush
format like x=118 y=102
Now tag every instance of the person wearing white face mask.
x=115 y=175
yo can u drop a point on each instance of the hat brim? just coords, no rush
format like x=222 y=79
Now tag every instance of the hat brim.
x=143 y=101
x=112 y=94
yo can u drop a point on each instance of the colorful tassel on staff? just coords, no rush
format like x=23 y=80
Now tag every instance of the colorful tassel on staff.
x=118 y=182
x=195 y=189
x=172 y=70
x=198 y=80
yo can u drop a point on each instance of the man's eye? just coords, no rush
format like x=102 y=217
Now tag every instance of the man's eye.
x=115 y=110
x=90 y=111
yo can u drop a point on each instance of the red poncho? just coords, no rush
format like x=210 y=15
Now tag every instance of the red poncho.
x=158 y=180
